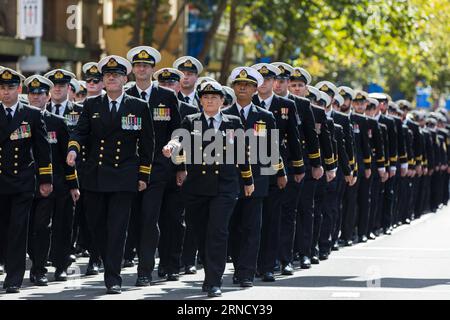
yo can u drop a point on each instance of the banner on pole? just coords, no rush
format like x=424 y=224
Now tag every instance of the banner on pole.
x=30 y=18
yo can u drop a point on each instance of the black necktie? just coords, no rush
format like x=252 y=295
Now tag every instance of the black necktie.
x=211 y=123
x=9 y=115
x=57 y=106
x=113 y=110
x=186 y=99
x=243 y=116
x=263 y=104
x=144 y=95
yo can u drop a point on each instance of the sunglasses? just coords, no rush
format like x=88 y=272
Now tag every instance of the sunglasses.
x=95 y=81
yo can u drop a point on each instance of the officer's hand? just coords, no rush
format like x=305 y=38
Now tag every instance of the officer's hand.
x=331 y=175
x=403 y=172
x=317 y=173
x=282 y=182
x=75 y=193
x=181 y=176
x=299 y=177
x=167 y=151
x=71 y=157
x=367 y=173
x=45 y=189
x=348 y=179
x=142 y=186
x=354 y=180
x=248 y=190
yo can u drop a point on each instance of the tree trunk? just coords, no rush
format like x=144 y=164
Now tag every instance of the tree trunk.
x=228 y=52
x=136 y=38
x=172 y=26
x=212 y=30
x=151 y=20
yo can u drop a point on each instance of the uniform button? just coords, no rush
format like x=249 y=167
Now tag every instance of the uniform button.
x=249 y=147
x=217 y=163
x=84 y=153
x=217 y=172
x=204 y=163
x=16 y=149
x=100 y=163
x=101 y=156
x=84 y=159
x=16 y=156
x=204 y=154
x=15 y=164
x=218 y=154
x=237 y=166
x=15 y=171
x=118 y=150
x=101 y=148
x=0 y=171
x=102 y=141
x=224 y=148
x=117 y=157
x=201 y=148
x=116 y=165
x=119 y=143
x=203 y=172
x=83 y=147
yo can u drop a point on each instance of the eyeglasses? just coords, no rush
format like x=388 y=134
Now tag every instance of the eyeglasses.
x=95 y=81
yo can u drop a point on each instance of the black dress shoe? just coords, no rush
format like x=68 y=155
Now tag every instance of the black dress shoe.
x=40 y=280
x=372 y=236
x=387 y=231
x=268 y=277
x=143 y=281
x=60 y=275
x=246 y=283
x=92 y=269
x=190 y=270
x=12 y=289
x=214 y=292
x=287 y=270
x=335 y=246
x=407 y=221
x=315 y=260
x=229 y=259
x=128 y=263
x=72 y=258
x=305 y=263
x=114 y=290
x=348 y=243
x=323 y=256
x=362 y=239
x=173 y=277
x=85 y=254
x=161 y=272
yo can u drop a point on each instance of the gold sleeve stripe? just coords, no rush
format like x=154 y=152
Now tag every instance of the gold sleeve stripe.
x=298 y=163
x=394 y=158
x=329 y=161
x=368 y=160
x=145 y=169
x=403 y=156
x=279 y=166
x=71 y=177
x=314 y=155
x=75 y=144
x=246 y=174
x=381 y=160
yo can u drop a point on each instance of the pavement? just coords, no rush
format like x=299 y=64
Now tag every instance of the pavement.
x=412 y=263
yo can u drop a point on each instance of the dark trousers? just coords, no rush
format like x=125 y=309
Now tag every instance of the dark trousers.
x=190 y=246
x=148 y=235
x=388 y=201
x=436 y=190
x=51 y=222
x=245 y=235
x=270 y=229
x=376 y=202
x=14 y=216
x=288 y=222
x=172 y=227
x=210 y=218
x=330 y=212
x=341 y=185
x=108 y=215
x=363 y=212
x=349 y=210
x=305 y=215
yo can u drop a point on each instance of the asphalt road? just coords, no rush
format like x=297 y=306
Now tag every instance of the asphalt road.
x=412 y=263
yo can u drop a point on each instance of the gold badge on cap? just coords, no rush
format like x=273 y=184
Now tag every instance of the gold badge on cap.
x=209 y=87
x=112 y=63
x=143 y=55
x=188 y=64
x=166 y=73
x=264 y=70
x=35 y=83
x=243 y=74
x=281 y=69
x=324 y=88
x=93 y=69
x=342 y=92
x=59 y=75
x=6 y=75
x=359 y=96
x=297 y=73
